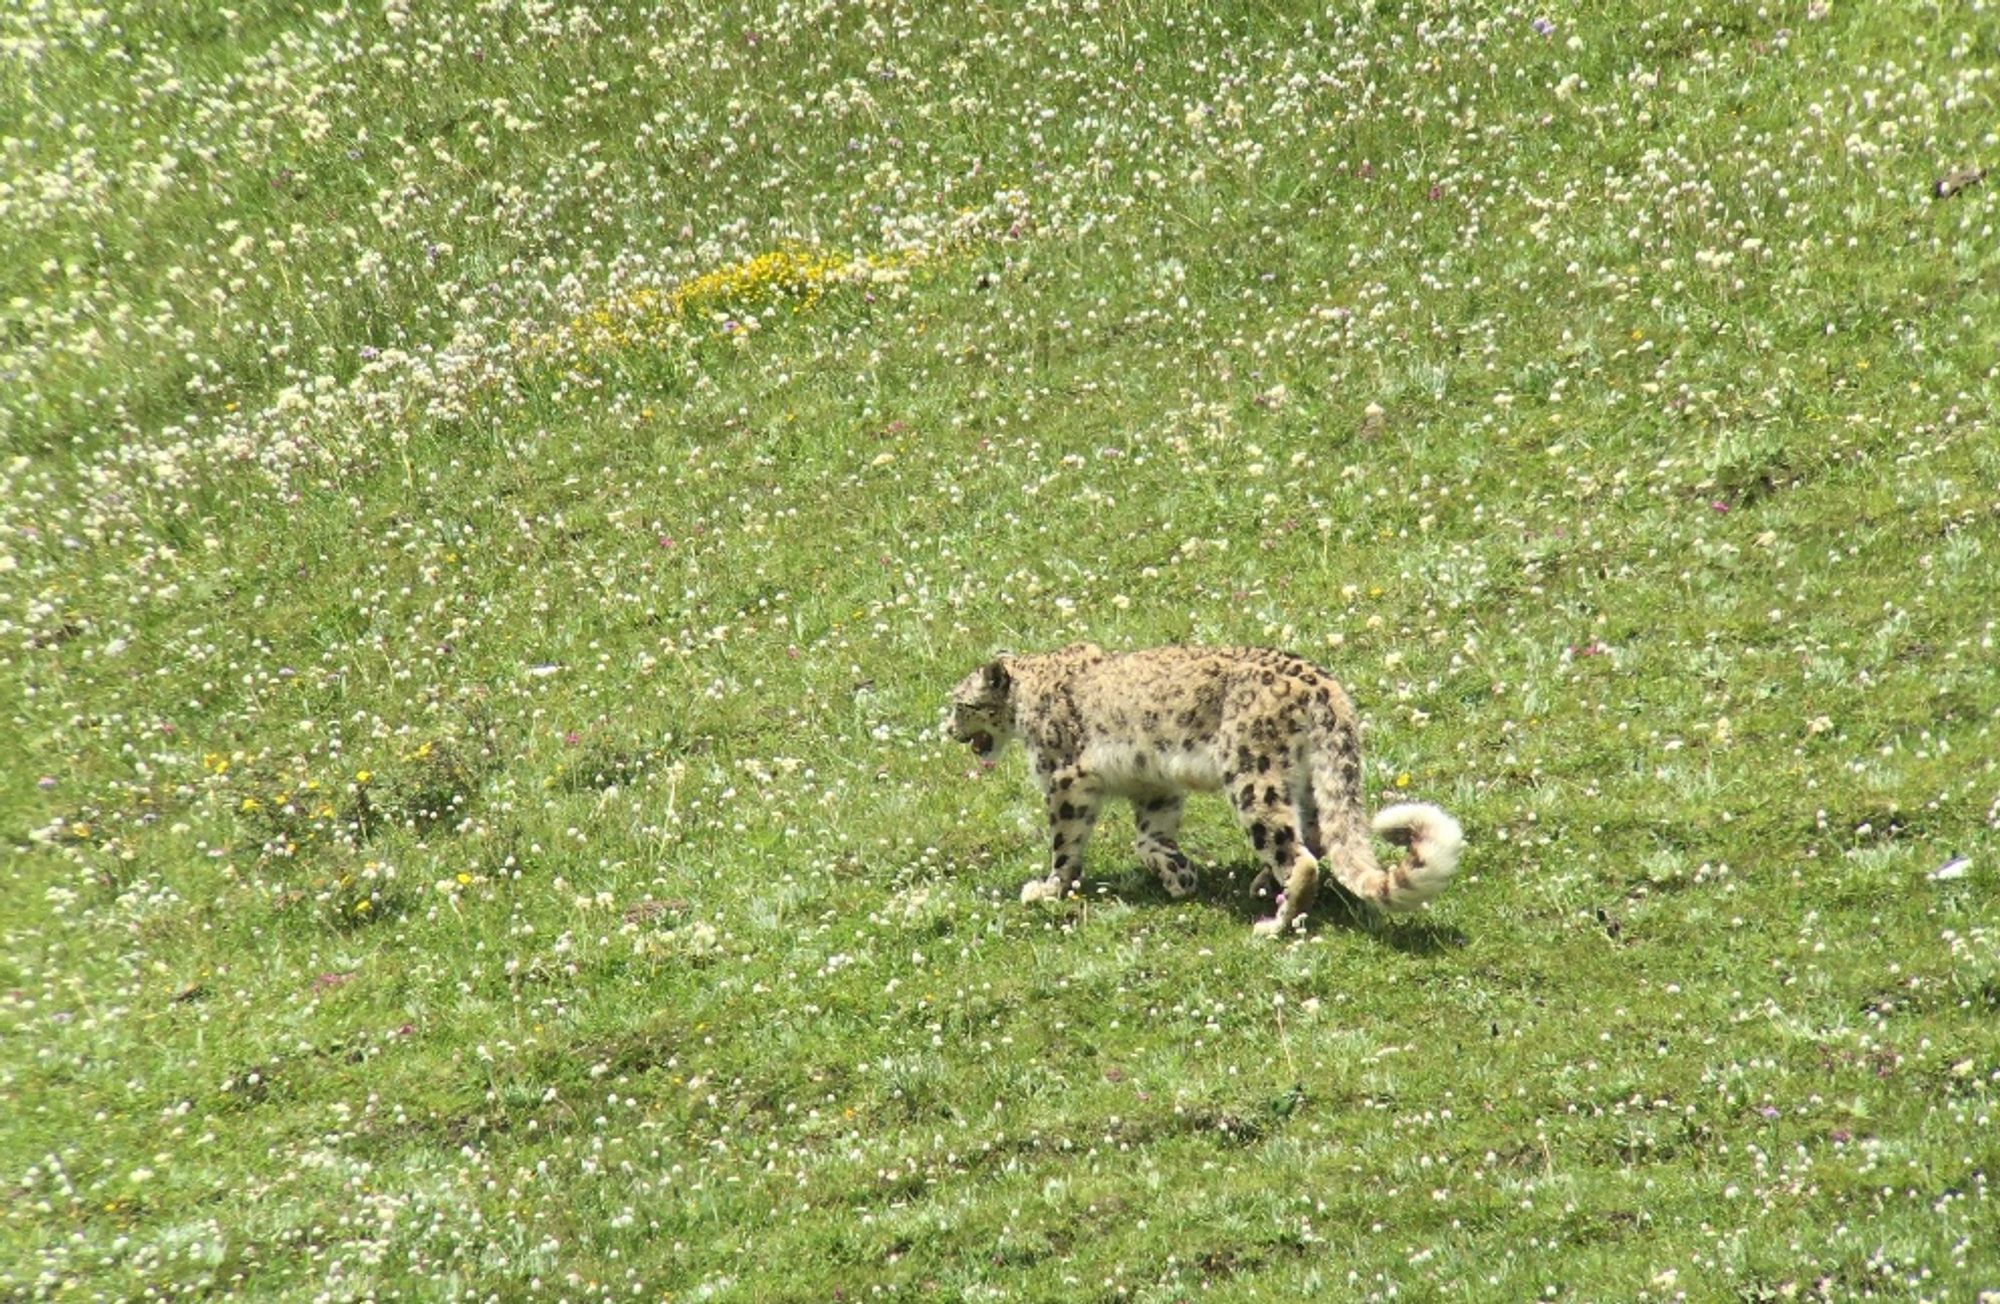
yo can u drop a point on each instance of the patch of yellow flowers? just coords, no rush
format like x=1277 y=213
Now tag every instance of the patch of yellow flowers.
x=726 y=299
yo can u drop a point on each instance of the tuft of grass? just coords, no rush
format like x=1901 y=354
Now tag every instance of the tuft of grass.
x=494 y=497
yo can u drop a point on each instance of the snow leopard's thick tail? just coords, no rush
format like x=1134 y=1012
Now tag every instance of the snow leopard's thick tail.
x=1431 y=839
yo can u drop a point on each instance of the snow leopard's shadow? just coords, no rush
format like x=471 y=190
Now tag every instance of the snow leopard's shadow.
x=1227 y=887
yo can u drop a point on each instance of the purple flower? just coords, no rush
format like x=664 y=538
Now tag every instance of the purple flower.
x=46 y=782
x=1544 y=26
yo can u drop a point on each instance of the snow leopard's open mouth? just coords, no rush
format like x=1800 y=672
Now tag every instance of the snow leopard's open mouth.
x=982 y=743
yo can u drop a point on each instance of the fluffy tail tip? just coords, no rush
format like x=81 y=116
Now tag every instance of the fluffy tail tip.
x=1434 y=841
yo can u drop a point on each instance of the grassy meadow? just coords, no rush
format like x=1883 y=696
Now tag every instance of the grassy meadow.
x=493 y=497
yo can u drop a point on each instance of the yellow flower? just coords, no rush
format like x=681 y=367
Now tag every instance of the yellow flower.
x=1403 y=779
x=799 y=275
x=363 y=776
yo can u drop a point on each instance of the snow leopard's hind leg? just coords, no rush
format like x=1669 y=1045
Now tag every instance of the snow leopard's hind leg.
x=1265 y=806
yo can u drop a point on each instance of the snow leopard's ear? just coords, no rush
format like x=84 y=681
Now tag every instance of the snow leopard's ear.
x=999 y=680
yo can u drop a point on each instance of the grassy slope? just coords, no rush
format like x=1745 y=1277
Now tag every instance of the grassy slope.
x=475 y=636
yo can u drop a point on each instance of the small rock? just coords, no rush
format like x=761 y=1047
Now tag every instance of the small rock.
x=1373 y=421
x=1956 y=867
x=1952 y=182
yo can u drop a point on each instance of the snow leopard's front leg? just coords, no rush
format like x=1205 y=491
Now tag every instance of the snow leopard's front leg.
x=1159 y=819
x=1073 y=799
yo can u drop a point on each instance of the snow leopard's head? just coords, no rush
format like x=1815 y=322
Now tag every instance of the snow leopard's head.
x=982 y=709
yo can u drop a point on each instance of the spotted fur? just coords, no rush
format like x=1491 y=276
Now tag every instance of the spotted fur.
x=1269 y=730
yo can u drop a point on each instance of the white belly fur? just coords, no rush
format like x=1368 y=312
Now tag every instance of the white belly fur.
x=1116 y=767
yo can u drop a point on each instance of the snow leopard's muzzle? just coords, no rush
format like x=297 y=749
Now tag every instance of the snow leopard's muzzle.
x=982 y=741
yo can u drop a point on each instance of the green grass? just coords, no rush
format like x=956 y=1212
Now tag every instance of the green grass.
x=473 y=629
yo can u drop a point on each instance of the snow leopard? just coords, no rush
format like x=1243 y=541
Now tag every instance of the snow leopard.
x=1272 y=731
